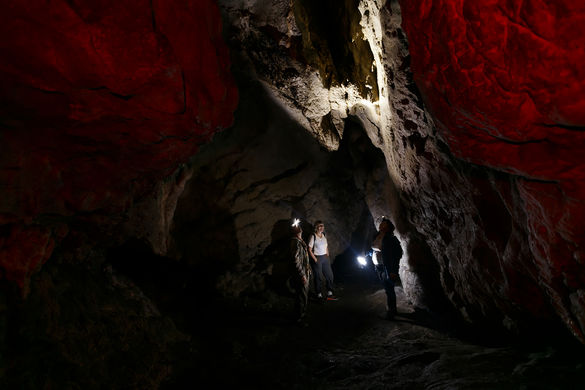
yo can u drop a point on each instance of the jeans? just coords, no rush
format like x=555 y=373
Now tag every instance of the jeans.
x=301 y=299
x=323 y=266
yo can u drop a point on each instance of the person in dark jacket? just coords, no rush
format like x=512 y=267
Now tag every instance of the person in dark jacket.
x=387 y=253
x=302 y=273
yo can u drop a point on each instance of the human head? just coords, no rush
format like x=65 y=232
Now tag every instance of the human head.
x=318 y=224
x=296 y=230
x=296 y=227
x=386 y=225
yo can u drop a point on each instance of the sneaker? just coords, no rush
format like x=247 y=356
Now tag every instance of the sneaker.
x=329 y=293
x=320 y=296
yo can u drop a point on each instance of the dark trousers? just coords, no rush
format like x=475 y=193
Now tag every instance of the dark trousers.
x=301 y=299
x=388 y=284
x=323 y=266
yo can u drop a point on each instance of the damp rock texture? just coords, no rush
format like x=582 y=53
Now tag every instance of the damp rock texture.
x=139 y=197
x=490 y=225
x=99 y=103
x=504 y=84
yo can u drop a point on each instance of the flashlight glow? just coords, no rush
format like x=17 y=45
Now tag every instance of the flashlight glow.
x=296 y=222
x=375 y=257
x=362 y=260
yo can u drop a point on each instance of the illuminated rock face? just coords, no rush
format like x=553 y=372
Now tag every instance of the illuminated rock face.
x=505 y=84
x=270 y=40
x=485 y=188
x=99 y=101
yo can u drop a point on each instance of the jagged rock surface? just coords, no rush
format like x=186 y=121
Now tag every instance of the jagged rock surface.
x=470 y=230
x=507 y=93
x=100 y=123
x=99 y=103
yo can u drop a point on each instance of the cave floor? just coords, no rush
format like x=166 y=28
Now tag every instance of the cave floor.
x=346 y=345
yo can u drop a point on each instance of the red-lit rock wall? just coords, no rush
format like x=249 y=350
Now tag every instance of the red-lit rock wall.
x=505 y=82
x=98 y=101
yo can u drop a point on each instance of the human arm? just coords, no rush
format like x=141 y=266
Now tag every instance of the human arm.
x=301 y=261
x=310 y=247
x=312 y=255
x=377 y=242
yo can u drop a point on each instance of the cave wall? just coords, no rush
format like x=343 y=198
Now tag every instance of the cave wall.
x=474 y=155
x=271 y=38
x=504 y=83
x=99 y=102
x=496 y=239
x=249 y=183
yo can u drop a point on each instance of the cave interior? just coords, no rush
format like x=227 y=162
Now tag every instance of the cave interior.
x=154 y=155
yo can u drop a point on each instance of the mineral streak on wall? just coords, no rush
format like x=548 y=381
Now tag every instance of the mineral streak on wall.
x=505 y=82
x=98 y=100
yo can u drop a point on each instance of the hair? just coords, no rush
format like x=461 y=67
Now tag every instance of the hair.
x=296 y=230
x=317 y=223
x=390 y=224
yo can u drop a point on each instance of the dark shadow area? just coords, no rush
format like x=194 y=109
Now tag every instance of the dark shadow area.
x=203 y=231
x=346 y=267
x=354 y=164
x=347 y=345
x=277 y=254
x=77 y=329
x=184 y=292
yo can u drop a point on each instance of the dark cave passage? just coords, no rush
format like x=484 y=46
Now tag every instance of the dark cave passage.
x=347 y=345
x=248 y=343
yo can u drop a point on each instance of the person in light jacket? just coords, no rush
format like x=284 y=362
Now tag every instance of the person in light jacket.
x=302 y=274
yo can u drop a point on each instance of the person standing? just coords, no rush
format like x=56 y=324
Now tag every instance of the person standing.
x=387 y=253
x=321 y=264
x=302 y=275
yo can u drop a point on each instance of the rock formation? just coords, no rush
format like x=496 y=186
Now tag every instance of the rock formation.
x=504 y=84
x=468 y=187
x=99 y=102
x=135 y=184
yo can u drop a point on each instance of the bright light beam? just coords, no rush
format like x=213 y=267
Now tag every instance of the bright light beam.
x=375 y=257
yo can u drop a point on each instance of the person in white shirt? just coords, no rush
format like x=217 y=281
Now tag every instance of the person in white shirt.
x=321 y=264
